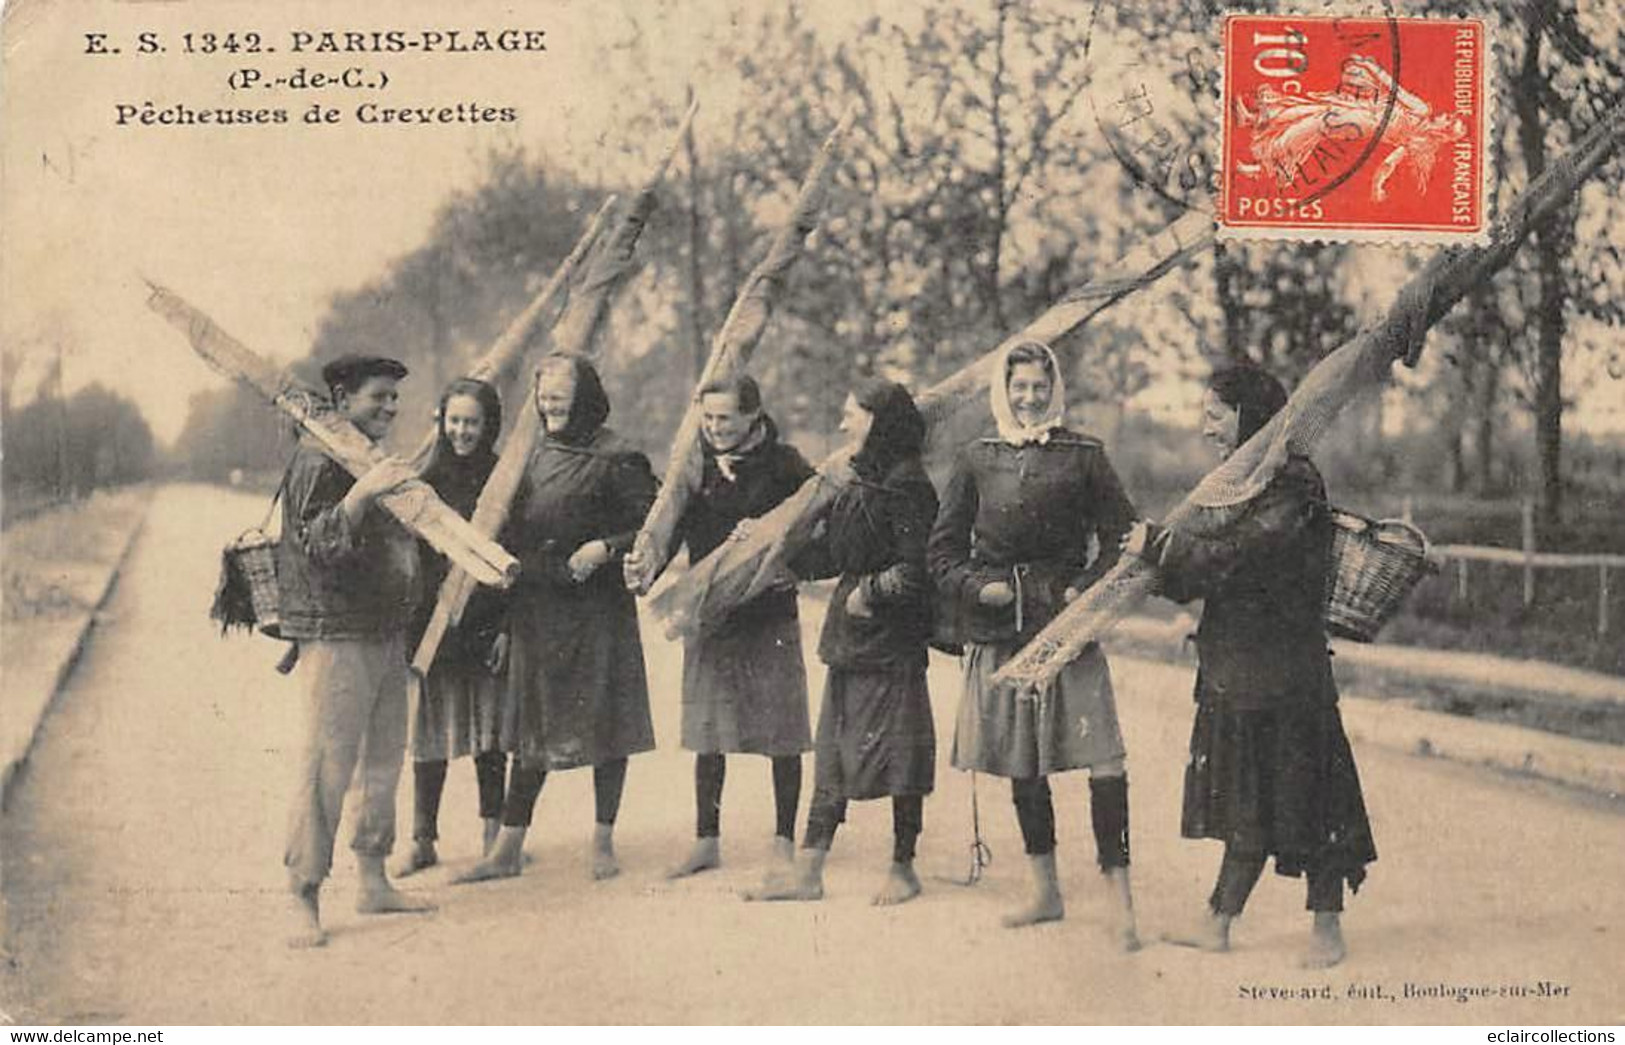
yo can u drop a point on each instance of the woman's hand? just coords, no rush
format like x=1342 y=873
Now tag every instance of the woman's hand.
x=998 y=593
x=741 y=530
x=586 y=559
x=1134 y=542
x=496 y=662
x=632 y=568
x=857 y=605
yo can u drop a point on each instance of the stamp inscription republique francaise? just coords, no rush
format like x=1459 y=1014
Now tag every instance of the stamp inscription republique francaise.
x=1353 y=128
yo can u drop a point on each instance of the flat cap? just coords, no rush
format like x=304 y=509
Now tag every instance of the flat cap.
x=353 y=368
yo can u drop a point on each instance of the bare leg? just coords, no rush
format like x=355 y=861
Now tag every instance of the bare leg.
x=1035 y=812
x=1326 y=947
x=709 y=770
x=608 y=781
x=1238 y=873
x=1123 y=931
x=604 y=864
x=428 y=784
x=908 y=820
x=378 y=896
x=308 y=931
x=1047 y=904
x=1108 y=814
x=489 y=828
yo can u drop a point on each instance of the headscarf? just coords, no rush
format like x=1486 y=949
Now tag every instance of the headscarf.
x=728 y=461
x=458 y=480
x=590 y=407
x=1252 y=390
x=898 y=431
x=1011 y=430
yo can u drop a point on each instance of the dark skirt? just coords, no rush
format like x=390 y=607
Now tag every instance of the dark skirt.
x=875 y=735
x=1071 y=725
x=577 y=682
x=1280 y=782
x=745 y=689
x=461 y=710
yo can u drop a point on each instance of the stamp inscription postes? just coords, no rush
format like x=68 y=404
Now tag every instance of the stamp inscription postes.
x=1354 y=128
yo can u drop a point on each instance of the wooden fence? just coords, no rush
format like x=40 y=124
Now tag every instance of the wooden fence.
x=1530 y=559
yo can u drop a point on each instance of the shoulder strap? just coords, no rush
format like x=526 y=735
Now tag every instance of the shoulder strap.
x=281 y=487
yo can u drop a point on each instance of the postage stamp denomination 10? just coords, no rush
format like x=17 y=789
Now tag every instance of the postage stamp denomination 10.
x=1354 y=128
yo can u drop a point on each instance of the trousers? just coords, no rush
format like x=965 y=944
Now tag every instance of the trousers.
x=353 y=725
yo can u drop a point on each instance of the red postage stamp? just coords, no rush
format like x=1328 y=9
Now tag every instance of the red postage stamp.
x=1354 y=128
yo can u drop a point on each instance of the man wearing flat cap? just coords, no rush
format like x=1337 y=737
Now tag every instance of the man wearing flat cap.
x=348 y=577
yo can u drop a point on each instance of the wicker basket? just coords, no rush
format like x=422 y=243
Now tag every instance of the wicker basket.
x=1374 y=567
x=253 y=555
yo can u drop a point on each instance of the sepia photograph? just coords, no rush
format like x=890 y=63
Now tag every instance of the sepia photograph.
x=768 y=513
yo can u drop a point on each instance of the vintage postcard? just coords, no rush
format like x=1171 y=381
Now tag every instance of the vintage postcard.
x=944 y=512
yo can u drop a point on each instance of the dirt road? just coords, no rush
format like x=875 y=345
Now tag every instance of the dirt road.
x=143 y=873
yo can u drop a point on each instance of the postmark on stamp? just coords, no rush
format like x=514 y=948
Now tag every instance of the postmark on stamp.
x=1354 y=128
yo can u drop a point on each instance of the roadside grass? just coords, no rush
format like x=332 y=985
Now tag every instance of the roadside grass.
x=49 y=562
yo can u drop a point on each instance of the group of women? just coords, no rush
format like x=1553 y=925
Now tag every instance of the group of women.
x=552 y=673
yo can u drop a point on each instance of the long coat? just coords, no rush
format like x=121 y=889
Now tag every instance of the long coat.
x=875 y=732
x=575 y=670
x=1027 y=516
x=1270 y=766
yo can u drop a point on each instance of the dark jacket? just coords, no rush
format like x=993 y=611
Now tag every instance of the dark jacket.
x=340 y=581
x=763 y=477
x=458 y=482
x=576 y=678
x=1262 y=576
x=1025 y=516
x=874 y=538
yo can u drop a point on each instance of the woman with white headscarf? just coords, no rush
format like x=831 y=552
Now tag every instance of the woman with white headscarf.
x=1011 y=546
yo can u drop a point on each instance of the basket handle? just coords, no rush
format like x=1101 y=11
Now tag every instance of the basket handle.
x=1411 y=528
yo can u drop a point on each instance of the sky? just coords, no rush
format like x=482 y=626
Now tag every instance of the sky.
x=259 y=226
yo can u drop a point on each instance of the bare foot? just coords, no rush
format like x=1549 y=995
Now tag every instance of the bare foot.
x=1046 y=907
x=497 y=865
x=902 y=885
x=784 y=851
x=604 y=864
x=1326 y=947
x=794 y=887
x=706 y=855
x=308 y=931
x=1125 y=938
x=1212 y=933
x=1121 y=929
x=503 y=861
x=420 y=856
x=389 y=900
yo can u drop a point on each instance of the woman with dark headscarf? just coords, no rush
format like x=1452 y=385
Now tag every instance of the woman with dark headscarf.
x=875 y=734
x=460 y=703
x=1270 y=771
x=1010 y=548
x=575 y=658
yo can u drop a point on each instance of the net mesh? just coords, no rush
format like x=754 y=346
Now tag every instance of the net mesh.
x=1359 y=367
